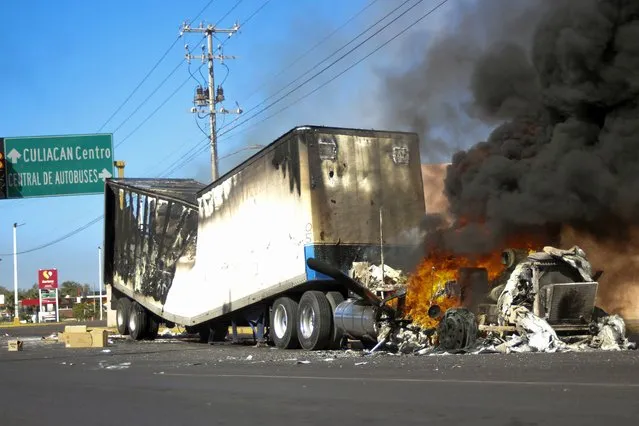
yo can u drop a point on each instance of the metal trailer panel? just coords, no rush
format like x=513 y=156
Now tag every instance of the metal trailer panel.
x=260 y=222
x=150 y=228
x=366 y=186
x=314 y=192
x=251 y=232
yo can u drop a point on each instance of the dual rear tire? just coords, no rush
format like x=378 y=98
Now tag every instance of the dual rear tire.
x=307 y=323
x=136 y=321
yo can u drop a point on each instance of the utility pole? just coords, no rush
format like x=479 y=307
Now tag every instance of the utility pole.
x=210 y=96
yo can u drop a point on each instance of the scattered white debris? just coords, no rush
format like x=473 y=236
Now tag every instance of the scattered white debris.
x=106 y=351
x=120 y=366
x=373 y=277
x=303 y=362
x=250 y=357
x=536 y=335
x=361 y=363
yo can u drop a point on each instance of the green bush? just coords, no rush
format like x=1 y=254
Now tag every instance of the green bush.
x=83 y=311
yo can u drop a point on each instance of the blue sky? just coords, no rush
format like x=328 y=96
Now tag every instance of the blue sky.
x=66 y=66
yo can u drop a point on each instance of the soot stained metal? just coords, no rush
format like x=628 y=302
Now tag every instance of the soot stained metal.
x=156 y=224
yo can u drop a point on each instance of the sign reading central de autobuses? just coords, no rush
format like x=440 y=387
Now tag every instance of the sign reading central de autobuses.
x=42 y=166
x=47 y=279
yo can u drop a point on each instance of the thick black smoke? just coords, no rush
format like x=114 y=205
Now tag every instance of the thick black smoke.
x=566 y=151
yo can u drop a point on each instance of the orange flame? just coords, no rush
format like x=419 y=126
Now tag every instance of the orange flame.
x=438 y=268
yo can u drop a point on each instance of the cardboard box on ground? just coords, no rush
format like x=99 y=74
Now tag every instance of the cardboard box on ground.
x=15 y=345
x=78 y=336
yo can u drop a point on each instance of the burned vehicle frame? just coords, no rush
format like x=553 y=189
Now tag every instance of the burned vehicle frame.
x=549 y=293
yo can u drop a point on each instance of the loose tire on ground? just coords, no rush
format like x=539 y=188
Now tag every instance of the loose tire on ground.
x=283 y=322
x=137 y=321
x=122 y=315
x=314 y=321
x=335 y=298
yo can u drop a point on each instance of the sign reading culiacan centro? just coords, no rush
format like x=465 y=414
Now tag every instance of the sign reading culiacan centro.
x=43 y=166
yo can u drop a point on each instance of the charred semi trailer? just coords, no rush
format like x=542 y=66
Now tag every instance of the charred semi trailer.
x=236 y=250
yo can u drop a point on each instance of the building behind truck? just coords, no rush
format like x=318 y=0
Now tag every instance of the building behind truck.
x=203 y=256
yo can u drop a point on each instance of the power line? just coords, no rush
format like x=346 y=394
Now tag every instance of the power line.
x=329 y=65
x=201 y=149
x=96 y=220
x=303 y=55
x=317 y=74
x=149 y=97
x=431 y=11
x=164 y=55
x=206 y=6
x=237 y=3
x=180 y=162
x=189 y=156
x=154 y=111
x=59 y=239
x=139 y=84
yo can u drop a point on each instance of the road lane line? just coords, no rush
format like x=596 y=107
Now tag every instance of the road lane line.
x=400 y=380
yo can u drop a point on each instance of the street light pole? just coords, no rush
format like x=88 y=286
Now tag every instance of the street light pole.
x=16 y=317
x=100 y=278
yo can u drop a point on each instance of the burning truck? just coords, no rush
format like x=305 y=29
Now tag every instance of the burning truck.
x=284 y=243
x=538 y=301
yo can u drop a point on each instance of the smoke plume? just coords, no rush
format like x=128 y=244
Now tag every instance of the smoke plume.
x=560 y=81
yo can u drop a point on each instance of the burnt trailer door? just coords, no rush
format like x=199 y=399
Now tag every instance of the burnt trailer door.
x=150 y=232
x=367 y=196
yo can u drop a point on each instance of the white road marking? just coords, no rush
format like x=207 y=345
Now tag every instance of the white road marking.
x=400 y=380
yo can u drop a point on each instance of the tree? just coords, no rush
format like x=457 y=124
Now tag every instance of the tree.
x=8 y=299
x=31 y=293
x=73 y=289
x=83 y=311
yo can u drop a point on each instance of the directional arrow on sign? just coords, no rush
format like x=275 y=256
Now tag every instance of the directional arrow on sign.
x=104 y=175
x=14 y=155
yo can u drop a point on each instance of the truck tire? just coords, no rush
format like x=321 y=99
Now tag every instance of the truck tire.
x=314 y=321
x=219 y=331
x=284 y=323
x=137 y=321
x=204 y=331
x=122 y=315
x=152 y=327
x=335 y=298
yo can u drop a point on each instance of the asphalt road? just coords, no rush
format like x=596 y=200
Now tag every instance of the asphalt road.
x=176 y=382
x=44 y=329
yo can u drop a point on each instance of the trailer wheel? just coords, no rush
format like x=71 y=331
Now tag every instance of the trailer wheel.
x=122 y=315
x=219 y=331
x=137 y=321
x=204 y=331
x=314 y=321
x=284 y=323
x=153 y=325
x=335 y=298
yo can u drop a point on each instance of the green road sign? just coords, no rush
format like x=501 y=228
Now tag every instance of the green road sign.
x=56 y=165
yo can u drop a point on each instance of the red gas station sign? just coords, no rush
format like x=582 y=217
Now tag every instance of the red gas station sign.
x=47 y=279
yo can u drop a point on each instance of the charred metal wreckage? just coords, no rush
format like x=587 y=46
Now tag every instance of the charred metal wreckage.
x=543 y=302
